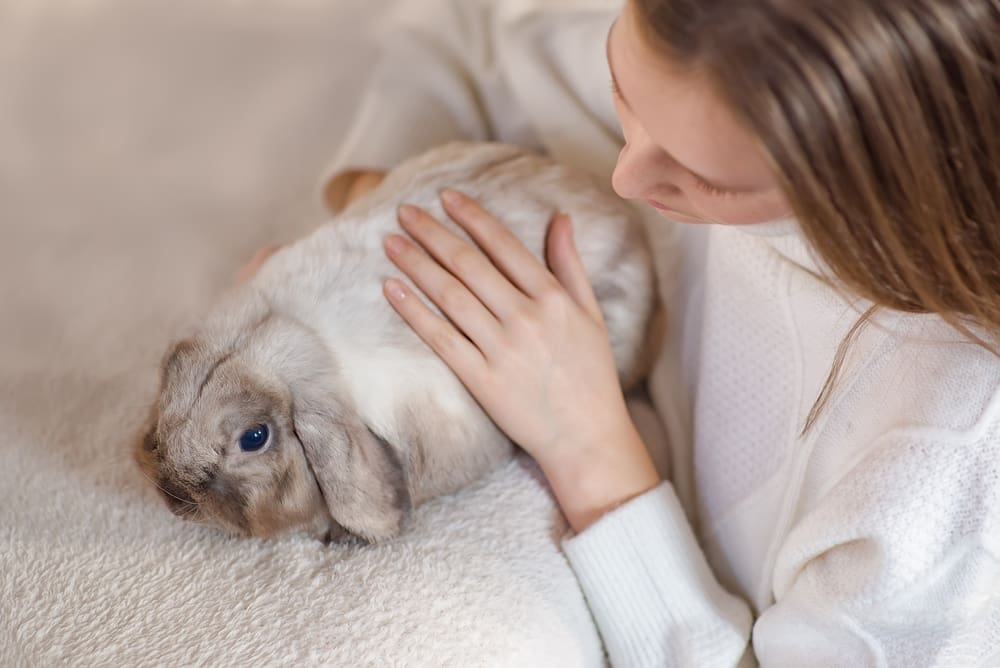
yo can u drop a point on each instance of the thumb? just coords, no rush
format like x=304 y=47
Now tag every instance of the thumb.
x=564 y=262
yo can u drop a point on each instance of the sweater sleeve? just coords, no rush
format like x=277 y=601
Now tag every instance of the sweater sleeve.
x=436 y=79
x=651 y=591
x=898 y=564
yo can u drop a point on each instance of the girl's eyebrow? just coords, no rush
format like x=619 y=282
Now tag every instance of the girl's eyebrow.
x=607 y=56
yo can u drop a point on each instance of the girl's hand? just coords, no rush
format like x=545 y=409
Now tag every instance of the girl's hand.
x=530 y=345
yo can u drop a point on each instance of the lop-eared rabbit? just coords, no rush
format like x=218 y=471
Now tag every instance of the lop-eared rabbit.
x=303 y=401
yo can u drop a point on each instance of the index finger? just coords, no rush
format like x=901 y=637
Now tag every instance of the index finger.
x=504 y=249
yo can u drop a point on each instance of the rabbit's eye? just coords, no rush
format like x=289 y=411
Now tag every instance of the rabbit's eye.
x=254 y=438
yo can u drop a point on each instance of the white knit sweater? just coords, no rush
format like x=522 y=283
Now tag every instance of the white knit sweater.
x=873 y=539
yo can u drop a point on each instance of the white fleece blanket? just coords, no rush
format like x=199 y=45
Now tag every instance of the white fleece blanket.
x=147 y=147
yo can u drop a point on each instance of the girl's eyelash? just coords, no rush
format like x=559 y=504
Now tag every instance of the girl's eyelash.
x=708 y=187
x=701 y=184
x=713 y=190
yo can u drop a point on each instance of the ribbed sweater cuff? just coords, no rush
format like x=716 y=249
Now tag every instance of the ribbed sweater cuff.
x=650 y=589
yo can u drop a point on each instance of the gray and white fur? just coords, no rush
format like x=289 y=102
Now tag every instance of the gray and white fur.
x=365 y=421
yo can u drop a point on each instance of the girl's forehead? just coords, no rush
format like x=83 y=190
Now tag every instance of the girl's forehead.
x=681 y=112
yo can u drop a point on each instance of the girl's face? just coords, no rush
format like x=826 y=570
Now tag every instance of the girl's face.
x=684 y=153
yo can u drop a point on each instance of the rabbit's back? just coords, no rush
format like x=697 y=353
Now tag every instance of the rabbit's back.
x=332 y=281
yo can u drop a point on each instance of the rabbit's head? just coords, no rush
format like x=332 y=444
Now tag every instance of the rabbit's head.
x=251 y=433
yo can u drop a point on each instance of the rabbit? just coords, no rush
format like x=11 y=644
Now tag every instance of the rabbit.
x=304 y=402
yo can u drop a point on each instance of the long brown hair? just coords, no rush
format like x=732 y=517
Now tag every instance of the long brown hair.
x=881 y=119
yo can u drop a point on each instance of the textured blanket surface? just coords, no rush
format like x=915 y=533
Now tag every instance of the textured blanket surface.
x=147 y=147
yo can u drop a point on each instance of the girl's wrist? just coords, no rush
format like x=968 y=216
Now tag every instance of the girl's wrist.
x=598 y=478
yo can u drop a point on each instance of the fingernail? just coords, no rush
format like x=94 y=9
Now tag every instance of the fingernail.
x=451 y=197
x=395 y=243
x=408 y=213
x=394 y=289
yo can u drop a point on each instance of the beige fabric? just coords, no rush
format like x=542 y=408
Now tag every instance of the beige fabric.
x=146 y=150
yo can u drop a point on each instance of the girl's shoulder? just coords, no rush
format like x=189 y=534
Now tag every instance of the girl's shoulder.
x=929 y=376
x=906 y=467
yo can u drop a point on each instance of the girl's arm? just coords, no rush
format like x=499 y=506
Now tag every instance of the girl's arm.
x=897 y=563
x=654 y=597
x=651 y=590
x=436 y=80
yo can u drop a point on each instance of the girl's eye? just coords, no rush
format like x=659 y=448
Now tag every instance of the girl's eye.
x=255 y=438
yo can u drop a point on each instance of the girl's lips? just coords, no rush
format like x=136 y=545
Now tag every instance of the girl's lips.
x=654 y=203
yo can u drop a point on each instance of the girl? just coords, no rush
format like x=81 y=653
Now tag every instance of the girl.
x=826 y=176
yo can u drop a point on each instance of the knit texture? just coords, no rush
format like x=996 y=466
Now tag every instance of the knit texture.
x=871 y=539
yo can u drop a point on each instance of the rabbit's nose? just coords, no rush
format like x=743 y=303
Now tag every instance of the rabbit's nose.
x=205 y=477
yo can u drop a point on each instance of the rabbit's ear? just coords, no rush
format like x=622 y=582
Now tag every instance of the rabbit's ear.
x=361 y=477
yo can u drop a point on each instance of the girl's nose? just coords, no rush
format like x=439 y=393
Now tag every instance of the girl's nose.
x=643 y=169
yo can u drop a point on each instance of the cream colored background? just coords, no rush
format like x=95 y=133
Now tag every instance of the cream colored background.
x=147 y=147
